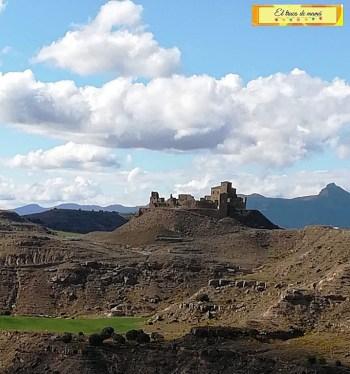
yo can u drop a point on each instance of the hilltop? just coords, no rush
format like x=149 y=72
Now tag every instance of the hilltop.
x=180 y=224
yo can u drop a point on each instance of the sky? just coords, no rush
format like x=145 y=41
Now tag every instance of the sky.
x=102 y=102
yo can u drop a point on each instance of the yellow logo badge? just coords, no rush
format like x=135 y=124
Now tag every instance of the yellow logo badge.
x=298 y=15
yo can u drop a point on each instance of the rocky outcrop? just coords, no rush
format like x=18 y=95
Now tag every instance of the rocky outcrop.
x=301 y=307
x=205 y=351
x=251 y=284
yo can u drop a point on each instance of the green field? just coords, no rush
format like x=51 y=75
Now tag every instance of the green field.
x=87 y=326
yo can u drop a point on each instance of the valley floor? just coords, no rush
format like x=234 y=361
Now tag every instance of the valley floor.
x=76 y=325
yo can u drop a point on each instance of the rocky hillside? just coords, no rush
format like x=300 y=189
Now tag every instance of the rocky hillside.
x=202 y=351
x=181 y=271
x=78 y=221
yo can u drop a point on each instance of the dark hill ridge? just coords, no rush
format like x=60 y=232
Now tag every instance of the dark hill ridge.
x=330 y=207
x=78 y=221
x=12 y=222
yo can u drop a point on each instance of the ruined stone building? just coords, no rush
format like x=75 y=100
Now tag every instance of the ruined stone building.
x=222 y=202
x=226 y=199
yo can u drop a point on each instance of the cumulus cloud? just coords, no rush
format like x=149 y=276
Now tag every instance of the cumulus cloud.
x=133 y=187
x=2 y=5
x=50 y=191
x=60 y=189
x=6 y=189
x=275 y=120
x=284 y=184
x=115 y=41
x=67 y=156
x=5 y=50
x=199 y=186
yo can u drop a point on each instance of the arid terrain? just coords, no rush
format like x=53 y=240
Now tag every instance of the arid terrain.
x=226 y=297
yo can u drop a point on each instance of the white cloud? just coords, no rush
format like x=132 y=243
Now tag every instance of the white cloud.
x=200 y=186
x=5 y=50
x=191 y=180
x=275 y=120
x=59 y=189
x=51 y=191
x=2 y=5
x=133 y=187
x=134 y=174
x=115 y=41
x=6 y=189
x=67 y=156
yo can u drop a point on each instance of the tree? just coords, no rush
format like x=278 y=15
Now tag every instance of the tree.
x=131 y=335
x=95 y=340
x=107 y=332
x=117 y=338
x=67 y=337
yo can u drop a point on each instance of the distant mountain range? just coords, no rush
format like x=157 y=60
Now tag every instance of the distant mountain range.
x=330 y=207
x=35 y=208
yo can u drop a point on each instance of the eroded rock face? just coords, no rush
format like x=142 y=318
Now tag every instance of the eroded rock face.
x=42 y=275
x=255 y=285
x=241 y=274
x=302 y=307
x=211 y=351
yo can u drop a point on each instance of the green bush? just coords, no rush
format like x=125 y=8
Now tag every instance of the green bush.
x=312 y=360
x=142 y=337
x=95 y=340
x=107 y=332
x=322 y=361
x=131 y=335
x=138 y=336
x=67 y=337
x=117 y=338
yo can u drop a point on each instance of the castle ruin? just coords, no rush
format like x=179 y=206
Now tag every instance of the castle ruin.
x=222 y=202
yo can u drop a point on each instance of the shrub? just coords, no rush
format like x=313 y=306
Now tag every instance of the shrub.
x=138 y=335
x=95 y=340
x=203 y=297
x=157 y=337
x=117 y=338
x=322 y=361
x=312 y=360
x=131 y=335
x=107 y=332
x=67 y=337
x=142 y=337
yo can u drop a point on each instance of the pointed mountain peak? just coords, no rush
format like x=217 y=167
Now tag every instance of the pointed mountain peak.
x=333 y=190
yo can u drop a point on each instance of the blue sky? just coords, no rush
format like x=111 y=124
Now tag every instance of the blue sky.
x=192 y=137
x=215 y=38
